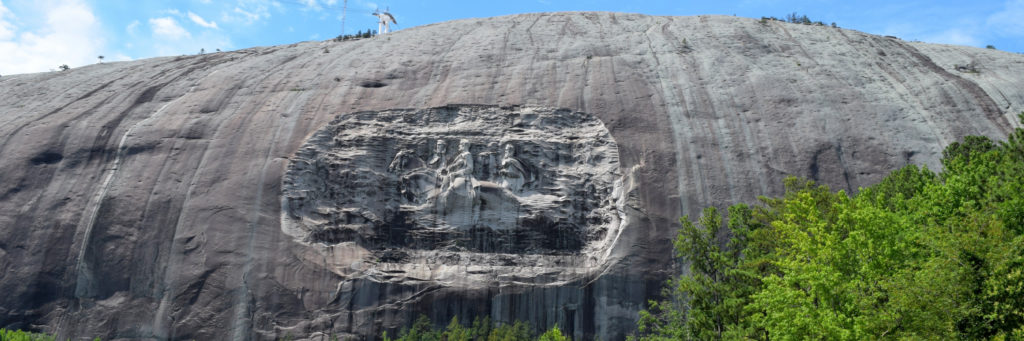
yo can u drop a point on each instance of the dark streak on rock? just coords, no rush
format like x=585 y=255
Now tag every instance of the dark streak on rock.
x=372 y=84
x=984 y=101
x=47 y=158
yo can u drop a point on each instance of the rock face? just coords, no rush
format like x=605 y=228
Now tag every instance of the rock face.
x=337 y=188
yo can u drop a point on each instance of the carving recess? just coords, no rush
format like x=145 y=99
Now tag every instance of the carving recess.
x=456 y=179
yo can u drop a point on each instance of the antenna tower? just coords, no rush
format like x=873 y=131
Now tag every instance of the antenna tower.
x=384 y=25
x=344 y=6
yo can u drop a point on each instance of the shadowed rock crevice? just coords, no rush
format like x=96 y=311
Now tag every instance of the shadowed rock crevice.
x=47 y=158
x=372 y=84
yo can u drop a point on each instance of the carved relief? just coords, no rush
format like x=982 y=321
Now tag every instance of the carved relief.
x=495 y=180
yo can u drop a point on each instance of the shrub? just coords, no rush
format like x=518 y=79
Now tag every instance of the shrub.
x=18 y=335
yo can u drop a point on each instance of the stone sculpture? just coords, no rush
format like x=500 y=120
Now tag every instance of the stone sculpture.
x=405 y=159
x=469 y=201
x=439 y=161
x=513 y=172
x=457 y=195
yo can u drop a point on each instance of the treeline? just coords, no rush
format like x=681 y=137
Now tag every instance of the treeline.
x=482 y=329
x=368 y=34
x=921 y=255
x=795 y=18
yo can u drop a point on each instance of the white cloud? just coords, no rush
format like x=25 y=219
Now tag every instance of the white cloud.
x=954 y=36
x=318 y=5
x=168 y=28
x=208 y=41
x=1009 y=21
x=70 y=35
x=962 y=31
x=133 y=27
x=6 y=28
x=200 y=21
x=246 y=15
x=901 y=30
x=169 y=39
x=970 y=29
x=250 y=11
x=120 y=57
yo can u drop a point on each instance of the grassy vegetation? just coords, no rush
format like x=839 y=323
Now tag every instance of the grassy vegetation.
x=19 y=335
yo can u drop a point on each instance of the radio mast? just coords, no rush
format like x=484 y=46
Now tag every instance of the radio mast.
x=384 y=25
x=344 y=6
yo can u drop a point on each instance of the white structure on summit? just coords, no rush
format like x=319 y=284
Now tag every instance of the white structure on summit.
x=383 y=26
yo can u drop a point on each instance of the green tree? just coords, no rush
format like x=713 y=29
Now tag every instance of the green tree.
x=959 y=153
x=553 y=334
x=511 y=332
x=725 y=268
x=19 y=335
x=455 y=331
x=918 y=256
x=422 y=330
x=482 y=329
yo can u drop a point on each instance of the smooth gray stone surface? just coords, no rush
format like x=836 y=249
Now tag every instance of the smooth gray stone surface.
x=143 y=200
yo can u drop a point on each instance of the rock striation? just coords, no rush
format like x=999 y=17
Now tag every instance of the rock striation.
x=343 y=188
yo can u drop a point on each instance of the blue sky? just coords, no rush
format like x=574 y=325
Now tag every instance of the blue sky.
x=39 y=35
